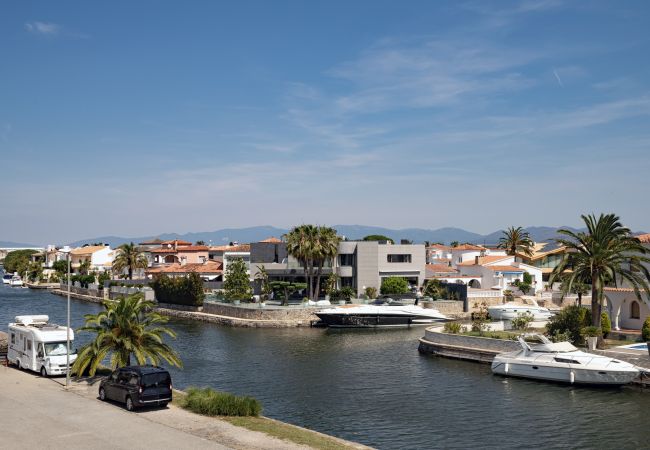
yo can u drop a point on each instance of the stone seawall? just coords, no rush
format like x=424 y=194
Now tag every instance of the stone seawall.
x=479 y=349
x=233 y=321
x=300 y=313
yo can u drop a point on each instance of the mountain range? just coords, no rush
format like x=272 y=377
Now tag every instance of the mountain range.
x=255 y=234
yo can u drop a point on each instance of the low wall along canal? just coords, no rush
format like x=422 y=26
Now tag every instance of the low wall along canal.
x=374 y=387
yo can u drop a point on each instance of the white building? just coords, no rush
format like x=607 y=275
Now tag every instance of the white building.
x=100 y=257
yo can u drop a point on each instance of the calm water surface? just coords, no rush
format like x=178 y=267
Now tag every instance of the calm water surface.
x=375 y=388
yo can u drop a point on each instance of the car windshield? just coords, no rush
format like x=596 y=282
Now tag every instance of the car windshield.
x=55 y=348
x=156 y=379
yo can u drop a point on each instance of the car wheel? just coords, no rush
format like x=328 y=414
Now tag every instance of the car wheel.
x=102 y=394
x=43 y=371
x=129 y=404
x=163 y=405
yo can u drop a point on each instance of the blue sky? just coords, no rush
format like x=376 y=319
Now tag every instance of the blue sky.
x=137 y=118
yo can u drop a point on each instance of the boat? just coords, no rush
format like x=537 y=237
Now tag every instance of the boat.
x=16 y=281
x=510 y=311
x=379 y=315
x=6 y=278
x=562 y=362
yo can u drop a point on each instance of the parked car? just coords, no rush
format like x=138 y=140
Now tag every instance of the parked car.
x=138 y=386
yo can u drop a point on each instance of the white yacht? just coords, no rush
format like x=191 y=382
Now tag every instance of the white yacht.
x=562 y=362
x=16 y=281
x=510 y=311
x=378 y=315
x=6 y=278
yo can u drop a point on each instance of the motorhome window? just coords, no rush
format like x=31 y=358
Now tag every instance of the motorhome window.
x=155 y=379
x=55 y=348
x=29 y=344
x=13 y=338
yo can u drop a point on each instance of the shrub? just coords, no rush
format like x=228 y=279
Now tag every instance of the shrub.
x=452 y=327
x=209 y=402
x=591 y=331
x=508 y=295
x=394 y=285
x=433 y=289
x=569 y=321
x=179 y=291
x=237 y=285
x=522 y=321
x=605 y=324
x=347 y=293
x=645 y=330
x=480 y=319
x=371 y=292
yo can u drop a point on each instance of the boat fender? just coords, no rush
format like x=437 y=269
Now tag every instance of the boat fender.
x=572 y=377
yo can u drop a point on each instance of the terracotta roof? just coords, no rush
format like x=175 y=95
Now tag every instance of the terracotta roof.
x=618 y=289
x=645 y=238
x=231 y=248
x=468 y=247
x=482 y=260
x=440 y=268
x=176 y=241
x=152 y=242
x=207 y=267
x=505 y=269
x=272 y=240
x=183 y=248
x=439 y=247
x=88 y=250
x=451 y=275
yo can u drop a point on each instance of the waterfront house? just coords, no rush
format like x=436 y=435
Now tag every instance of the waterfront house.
x=468 y=252
x=208 y=270
x=179 y=252
x=100 y=257
x=500 y=272
x=226 y=253
x=359 y=264
x=545 y=256
x=622 y=305
x=437 y=253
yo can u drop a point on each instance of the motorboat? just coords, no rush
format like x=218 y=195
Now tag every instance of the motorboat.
x=562 y=362
x=16 y=281
x=6 y=278
x=379 y=315
x=512 y=311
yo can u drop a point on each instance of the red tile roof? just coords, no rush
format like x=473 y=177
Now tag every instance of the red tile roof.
x=209 y=267
x=505 y=269
x=439 y=247
x=231 y=248
x=618 y=289
x=468 y=247
x=440 y=268
x=645 y=238
x=484 y=260
x=182 y=248
x=177 y=242
x=272 y=240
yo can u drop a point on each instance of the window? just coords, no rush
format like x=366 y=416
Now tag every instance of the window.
x=29 y=344
x=13 y=338
x=346 y=282
x=399 y=258
x=346 y=259
x=635 y=312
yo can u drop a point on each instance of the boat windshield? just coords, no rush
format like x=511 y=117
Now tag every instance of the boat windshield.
x=55 y=348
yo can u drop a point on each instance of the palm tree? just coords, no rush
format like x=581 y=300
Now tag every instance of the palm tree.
x=312 y=246
x=124 y=329
x=129 y=257
x=516 y=240
x=606 y=253
x=454 y=244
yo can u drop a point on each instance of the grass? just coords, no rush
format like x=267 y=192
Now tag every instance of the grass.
x=493 y=334
x=275 y=428
x=209 y=402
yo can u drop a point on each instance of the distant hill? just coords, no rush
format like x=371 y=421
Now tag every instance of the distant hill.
x=8 y=244
x=255 y=234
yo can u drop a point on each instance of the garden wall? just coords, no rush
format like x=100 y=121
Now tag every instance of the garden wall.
x=254 y=312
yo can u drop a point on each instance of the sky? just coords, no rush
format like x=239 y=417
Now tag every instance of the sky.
x=139 y=118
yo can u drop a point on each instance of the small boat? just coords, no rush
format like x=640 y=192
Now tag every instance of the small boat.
x=6 y=278
x=510 y=311
x=16 y=281
x=379 y=315
x=562 y=362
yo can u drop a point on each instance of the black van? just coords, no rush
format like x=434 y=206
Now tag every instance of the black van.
x=137 y=386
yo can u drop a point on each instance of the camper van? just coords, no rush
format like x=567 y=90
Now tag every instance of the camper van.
x=38 y=345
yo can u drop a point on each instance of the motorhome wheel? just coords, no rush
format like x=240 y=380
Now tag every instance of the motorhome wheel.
x=43 y=371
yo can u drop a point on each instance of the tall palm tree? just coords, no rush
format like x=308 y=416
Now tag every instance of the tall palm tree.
x=129 y=257
x=516 y=240
x=606 y=253
x=124 y=329
x=312 y=246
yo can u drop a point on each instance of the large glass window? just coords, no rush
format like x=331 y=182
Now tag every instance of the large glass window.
x=399 y=258
x=346 y=259
x=55 y=348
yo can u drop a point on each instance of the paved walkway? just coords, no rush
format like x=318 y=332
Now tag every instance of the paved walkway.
x=37 y=412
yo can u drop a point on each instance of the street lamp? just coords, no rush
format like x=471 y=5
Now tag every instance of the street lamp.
x=67 y=251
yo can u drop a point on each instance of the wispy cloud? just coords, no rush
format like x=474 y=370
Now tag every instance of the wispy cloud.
x=43 y=28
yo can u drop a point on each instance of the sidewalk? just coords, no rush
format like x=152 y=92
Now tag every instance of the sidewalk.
x=38 y=413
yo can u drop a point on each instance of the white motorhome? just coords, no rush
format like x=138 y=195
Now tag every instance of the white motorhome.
x=38 y=345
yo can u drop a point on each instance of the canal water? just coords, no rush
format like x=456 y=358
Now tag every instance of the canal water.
x=375 y=388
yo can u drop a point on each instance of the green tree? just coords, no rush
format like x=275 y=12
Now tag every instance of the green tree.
x=61 y=268
x=17 y=261
x=433 y=289
x=237 y=285
x=378 y=237
x=516 y=241
x=181 y=291
x=199 y=242
x=129 y=257
x=84 y=267
x=34 y=271
x=605 y=253
x=394 y=285
x=125 y=330
x=284 y=289
x=454 y=244
x=578 y=287
x=313 y=247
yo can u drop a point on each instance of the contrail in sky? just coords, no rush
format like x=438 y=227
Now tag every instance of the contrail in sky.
x=559 y=80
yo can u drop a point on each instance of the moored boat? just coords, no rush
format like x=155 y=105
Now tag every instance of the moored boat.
x=361 y=316
x=562 y=362
x=511 y=311
x=16 y=281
